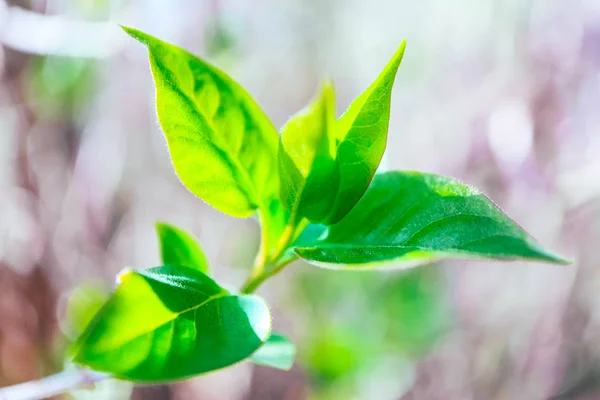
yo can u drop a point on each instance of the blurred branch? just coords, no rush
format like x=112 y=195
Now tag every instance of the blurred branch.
x=35 y=33
x=52 y=385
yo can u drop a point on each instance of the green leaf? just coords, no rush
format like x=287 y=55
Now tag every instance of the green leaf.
x=361 y=134
x=308 y=173
x=326 y=166
x=82 y=304
x=178 y=247
x=169 y=323
x=410 y=218
x=273 y=222
x=277 y=352
x=223 y=146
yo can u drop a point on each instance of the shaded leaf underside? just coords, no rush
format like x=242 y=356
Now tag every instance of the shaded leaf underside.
x=277 y=352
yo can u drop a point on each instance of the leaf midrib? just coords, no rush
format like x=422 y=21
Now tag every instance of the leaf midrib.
x=170 y=320
x=223 y=145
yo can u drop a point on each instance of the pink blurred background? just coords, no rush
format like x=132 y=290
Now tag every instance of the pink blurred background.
x=502 y=94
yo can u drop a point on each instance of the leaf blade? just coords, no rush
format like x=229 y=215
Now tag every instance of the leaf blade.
x=277 y=352
x=222 y=145
x=411 y=218
x=308 y=173
x=178 y=247
x=362 y=136
x=171 y=322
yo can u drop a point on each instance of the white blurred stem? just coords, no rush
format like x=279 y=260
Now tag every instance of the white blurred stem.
x=35 y=33
x=52 y=385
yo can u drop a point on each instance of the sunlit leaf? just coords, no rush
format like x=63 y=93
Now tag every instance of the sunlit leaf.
x=222 y=145
x=326 y=166
x=178 y=247
x=410 y=218
x=273 y=222
x=361 y=135
x=169 y=323
x=277 y=352
x=309 y=176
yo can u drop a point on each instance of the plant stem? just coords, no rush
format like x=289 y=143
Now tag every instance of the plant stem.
x=256 y=280
x=261 y=257
x=52 y=385
x=267 y=264
x=253 y=282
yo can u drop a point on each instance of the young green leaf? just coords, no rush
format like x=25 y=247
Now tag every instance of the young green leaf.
x=361 y=134
x=326 y=166
x=178 y=247
x=308 y=173
x=171 y=322
x=277 y=352
x=273 y=223
x=409 y=218
x=223 y=146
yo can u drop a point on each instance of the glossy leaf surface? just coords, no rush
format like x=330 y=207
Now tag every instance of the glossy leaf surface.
x=361 y=135
x=178 y=247
x=222 y=145
x=169 y=323
x=277 y=352
x=409 y=218
x=309 y=176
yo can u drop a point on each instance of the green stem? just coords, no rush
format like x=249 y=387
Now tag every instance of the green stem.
x=256 y=279
x=253 y=282
x=261 y=257
x=267 y=264
x=286 y=237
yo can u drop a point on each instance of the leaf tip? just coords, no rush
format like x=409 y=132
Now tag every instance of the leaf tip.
x=328 y=94
x=544 y=255
x=136 y=34
x=127 y=29
x=399 y=55
x=557 y=259
x=327 y=85
x=160 y=226
x=123 y=275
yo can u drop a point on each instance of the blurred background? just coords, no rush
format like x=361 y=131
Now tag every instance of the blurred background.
x=502 y=94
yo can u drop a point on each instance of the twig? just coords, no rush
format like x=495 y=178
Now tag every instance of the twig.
x=52 y=385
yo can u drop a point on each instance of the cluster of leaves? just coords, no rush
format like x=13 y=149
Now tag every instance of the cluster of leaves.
x=315 y=190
